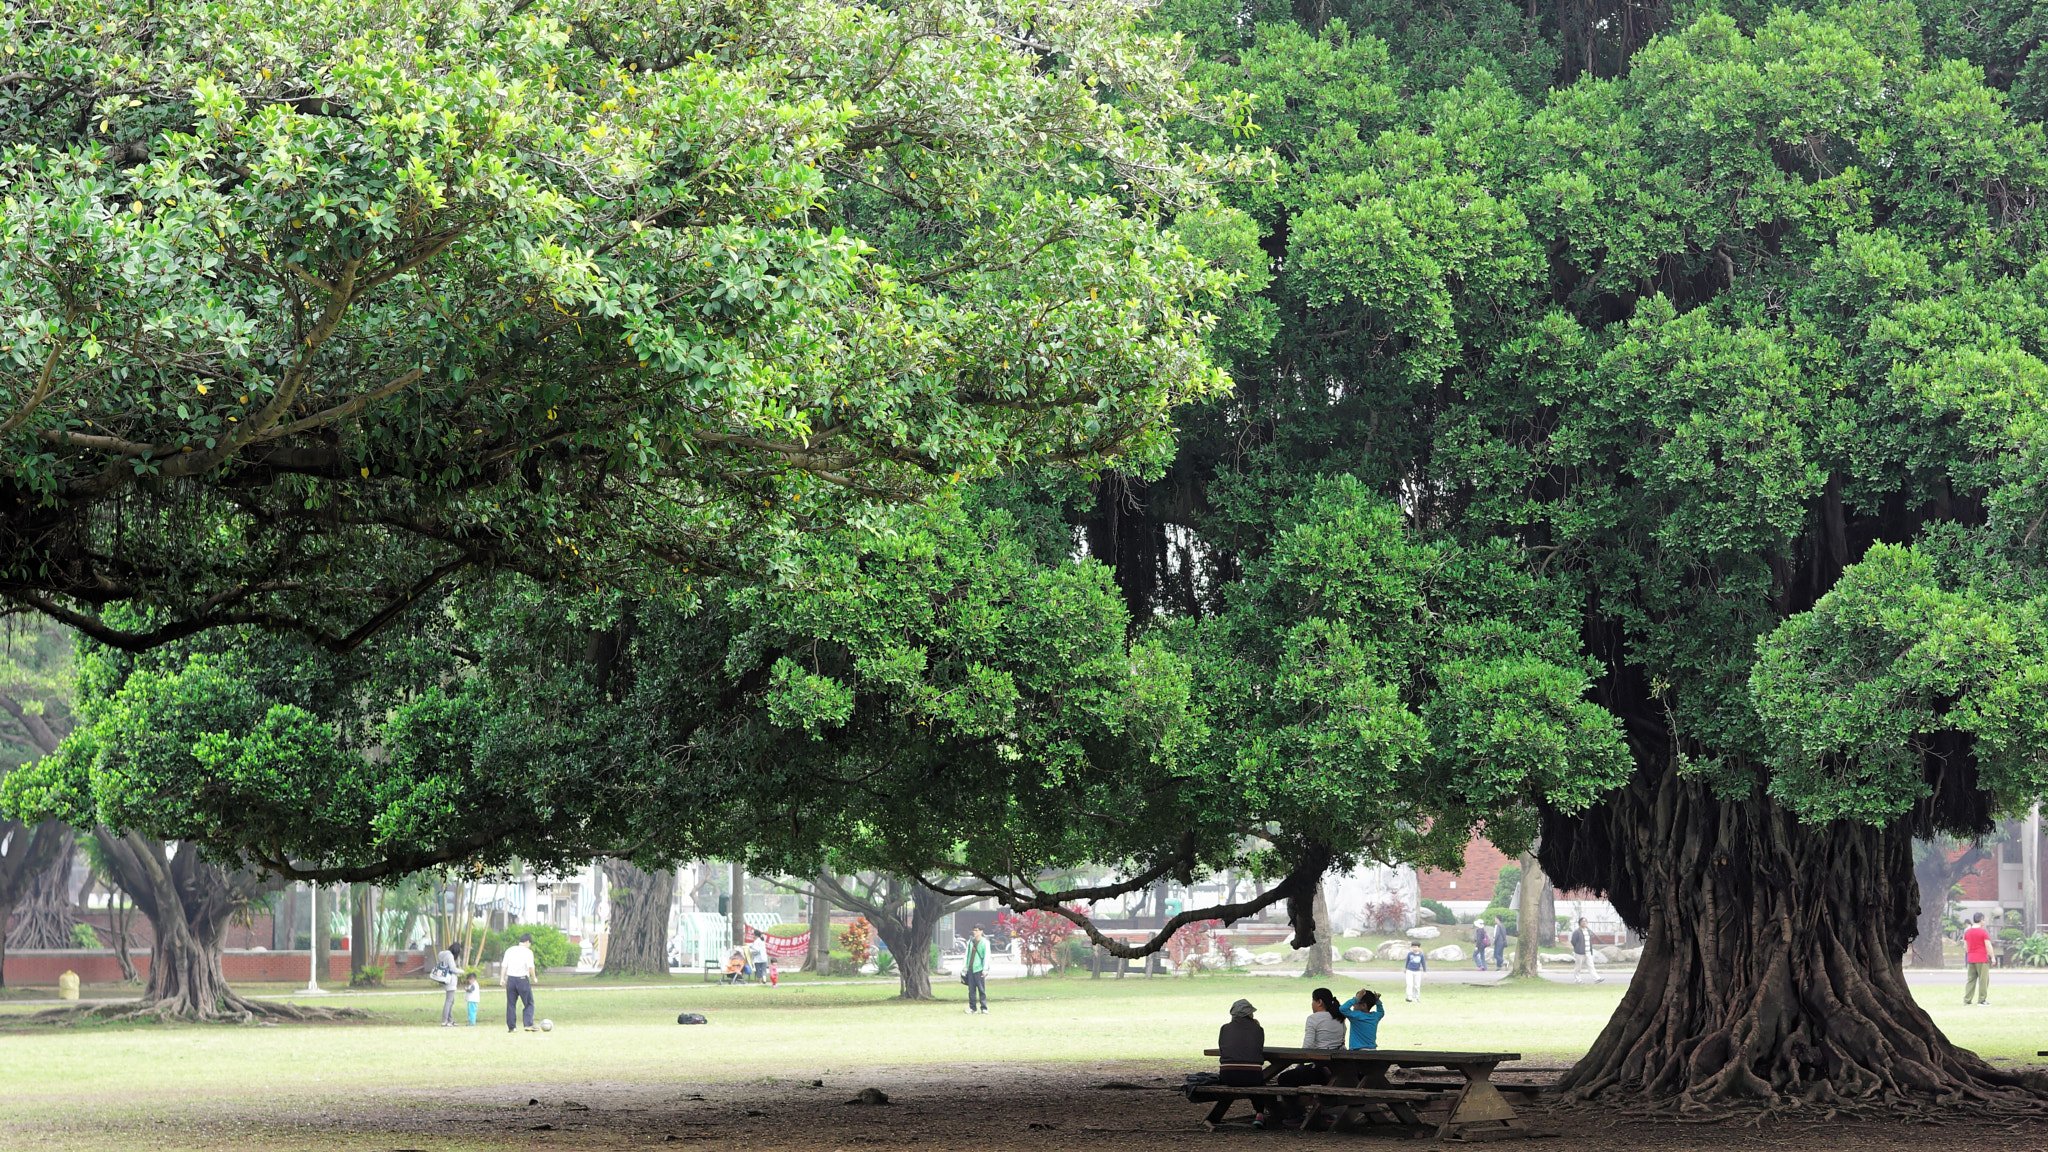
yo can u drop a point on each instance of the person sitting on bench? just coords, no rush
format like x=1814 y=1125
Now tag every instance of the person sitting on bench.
x=1364 y=1011
x=1242 y=1044
x=1322 y=1032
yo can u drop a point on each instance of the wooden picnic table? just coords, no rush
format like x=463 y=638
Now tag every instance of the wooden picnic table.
x=1473 y=1107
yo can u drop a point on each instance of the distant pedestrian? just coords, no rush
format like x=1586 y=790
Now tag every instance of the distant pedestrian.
x=759 y=950
x=1416 y=965
x=774 y=974
x=1480 y=940
x=518 y=977
x=475 y=997
x=1500 y=943
x=447 y=977
x=975 y=970
x=1977 y=960
x=1582 y=955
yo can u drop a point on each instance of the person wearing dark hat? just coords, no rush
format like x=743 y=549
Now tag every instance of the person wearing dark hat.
x=1242 y=1047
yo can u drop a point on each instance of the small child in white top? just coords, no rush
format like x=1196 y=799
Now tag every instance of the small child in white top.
x=474 y=994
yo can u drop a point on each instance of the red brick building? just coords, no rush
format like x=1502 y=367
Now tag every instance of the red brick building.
x=1483 y=863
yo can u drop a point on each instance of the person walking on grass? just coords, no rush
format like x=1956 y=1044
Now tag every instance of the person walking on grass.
x=1977 y=960
x=1479 y=942
x=1500 y=943
x=447 y=977
x=1582 y=955
x=1415 y=966
x=758 y=949
x=519 y=973
x=975 y=972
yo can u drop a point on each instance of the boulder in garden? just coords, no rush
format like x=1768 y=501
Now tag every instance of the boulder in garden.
x=1357 y=955
x=1425 y=932
x=1393 y=950
x=1448 y=952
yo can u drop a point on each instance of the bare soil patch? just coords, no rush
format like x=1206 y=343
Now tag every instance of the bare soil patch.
x=991 y=1107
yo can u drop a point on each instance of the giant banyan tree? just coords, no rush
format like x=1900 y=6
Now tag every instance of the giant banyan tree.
x=1741 y=351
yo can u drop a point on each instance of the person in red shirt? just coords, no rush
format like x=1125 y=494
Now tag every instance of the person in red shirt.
x=1977 y=960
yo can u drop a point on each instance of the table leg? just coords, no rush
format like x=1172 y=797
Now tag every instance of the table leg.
x=1480 y=1108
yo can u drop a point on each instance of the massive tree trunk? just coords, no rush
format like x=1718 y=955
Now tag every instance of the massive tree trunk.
x=45 y=915
x=905 y=914
x=29 y=852
x=1771 y=969
x=26 y=850
x=1322 y=953
x=636 y=943
x=189 y=903
x=1936 y=874
x=907 y=928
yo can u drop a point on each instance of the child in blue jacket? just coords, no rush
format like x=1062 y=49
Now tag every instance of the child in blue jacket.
x=1417 y=965
x=1364 y=1011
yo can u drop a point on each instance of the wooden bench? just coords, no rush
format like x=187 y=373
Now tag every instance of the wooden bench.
x=1498 y=1086
x=1398 y=1100
x=1472 y=1109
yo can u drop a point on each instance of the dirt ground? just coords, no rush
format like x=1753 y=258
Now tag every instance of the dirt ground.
x=993 y=1107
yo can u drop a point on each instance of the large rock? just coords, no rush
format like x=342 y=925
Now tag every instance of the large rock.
x=1393 y=950
x=1243 y=957
x=1269 y=958
x=1425 y=932
x=1448 y=952
x=1357 y=955
x=1631 y=955
x=1555 y=957
x=1425 y=915
x=1608 y=953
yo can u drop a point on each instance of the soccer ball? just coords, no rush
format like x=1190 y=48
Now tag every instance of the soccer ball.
x=547 y=1025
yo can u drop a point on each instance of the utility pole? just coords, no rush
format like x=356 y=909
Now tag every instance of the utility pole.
x=319 y=943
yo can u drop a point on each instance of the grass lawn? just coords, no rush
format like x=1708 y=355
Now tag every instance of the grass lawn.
x=74 y=1087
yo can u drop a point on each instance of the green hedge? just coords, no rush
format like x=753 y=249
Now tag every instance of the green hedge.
x=551 y=949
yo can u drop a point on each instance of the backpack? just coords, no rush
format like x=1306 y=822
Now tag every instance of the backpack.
x=691 y=1018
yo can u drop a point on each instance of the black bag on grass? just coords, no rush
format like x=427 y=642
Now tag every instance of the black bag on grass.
x=691 y=1018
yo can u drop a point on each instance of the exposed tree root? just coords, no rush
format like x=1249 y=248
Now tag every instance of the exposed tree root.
x=1771 y=982
x=232 y=1009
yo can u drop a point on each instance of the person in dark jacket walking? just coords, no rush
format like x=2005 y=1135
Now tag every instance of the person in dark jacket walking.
x=1500 y=942
x=1479 y=942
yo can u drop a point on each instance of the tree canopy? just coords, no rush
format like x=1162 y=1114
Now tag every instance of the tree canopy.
x=308 y=307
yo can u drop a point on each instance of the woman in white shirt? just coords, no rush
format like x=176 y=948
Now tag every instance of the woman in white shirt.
x=1323 y=1031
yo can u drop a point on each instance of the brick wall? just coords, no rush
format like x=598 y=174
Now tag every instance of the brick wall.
x=1483 y=863
x=41 y=968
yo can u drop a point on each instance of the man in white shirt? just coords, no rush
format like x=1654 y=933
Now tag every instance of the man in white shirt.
x=519 y=981
x=758 y=951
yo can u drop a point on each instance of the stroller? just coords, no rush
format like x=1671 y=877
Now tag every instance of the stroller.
x=735 y=967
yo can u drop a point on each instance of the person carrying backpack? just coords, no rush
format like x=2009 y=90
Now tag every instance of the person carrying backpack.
x=1479 y=942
